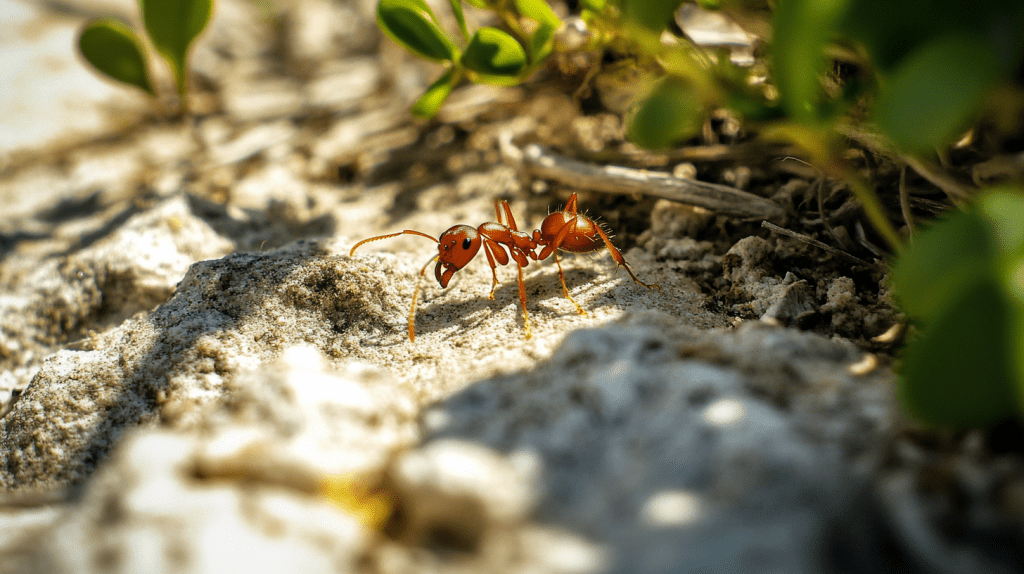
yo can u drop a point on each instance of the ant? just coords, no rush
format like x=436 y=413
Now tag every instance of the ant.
x=565 y=230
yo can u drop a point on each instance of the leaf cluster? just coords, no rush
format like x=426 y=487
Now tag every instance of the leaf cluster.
x=490 y=55
x=113 y=48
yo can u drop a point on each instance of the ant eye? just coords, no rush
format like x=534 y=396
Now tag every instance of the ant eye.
x=466 y=243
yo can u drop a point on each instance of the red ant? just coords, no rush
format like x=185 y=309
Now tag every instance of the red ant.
x=565 y=230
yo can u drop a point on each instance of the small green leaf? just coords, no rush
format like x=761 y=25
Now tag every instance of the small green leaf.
x=541 y=43
x=1004 y=209
x=933 y=95
x=958 y=372
x=538 y=10
x=460 y=17
x=411 y=24
x=112 y=47
x=492 y=52
x=943 y=261
x=671 y=113
x=962 y=283
x=801 y=29
x=172 y=26
x=596 y=6
x=436 y=94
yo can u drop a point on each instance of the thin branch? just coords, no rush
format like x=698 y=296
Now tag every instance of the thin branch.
x=862 y=238
x=723 y=199
x=814 y=242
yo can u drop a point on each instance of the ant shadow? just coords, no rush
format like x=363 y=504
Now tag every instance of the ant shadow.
x=544 y=298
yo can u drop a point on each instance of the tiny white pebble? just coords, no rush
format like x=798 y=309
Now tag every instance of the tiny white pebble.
x=724 y=412
x=671 y=508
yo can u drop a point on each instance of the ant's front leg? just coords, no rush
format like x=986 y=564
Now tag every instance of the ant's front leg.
x=415 y=295
x=494 y=252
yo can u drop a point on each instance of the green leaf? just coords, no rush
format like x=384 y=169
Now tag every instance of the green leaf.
x=1004 y=209
x=411 y=24
x=652 y=16
x=113 y=49
x=541 y=44
x=1016 y=279
x=172 y=26
x=539 y=11
x=962 y=283
x=943 y=260
x=892 y=31
x=492 y=52
x=596 y=6
x=801 y=30
x=934 y=94
x=460 y=17
x=671 y=113
x=958 y=372
x=436 y=94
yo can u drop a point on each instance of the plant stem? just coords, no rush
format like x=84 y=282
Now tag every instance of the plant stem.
x=869 y=200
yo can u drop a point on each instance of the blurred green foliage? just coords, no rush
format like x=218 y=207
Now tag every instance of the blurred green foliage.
x=962 y=284
x=172 y=26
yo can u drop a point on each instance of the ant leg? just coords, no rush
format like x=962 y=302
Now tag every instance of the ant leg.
x=522 y=301
x=497 y=210
x=566 y=289
x=617 y=256
x=559 y=239
x=508 y=215
x=415 y=293
x=494 y=269
x=570 y=206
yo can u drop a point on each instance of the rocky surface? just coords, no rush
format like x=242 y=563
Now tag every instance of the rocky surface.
x=197 y=376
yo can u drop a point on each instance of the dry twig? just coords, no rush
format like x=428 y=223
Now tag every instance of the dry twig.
x=814 y=242
x=723 y=199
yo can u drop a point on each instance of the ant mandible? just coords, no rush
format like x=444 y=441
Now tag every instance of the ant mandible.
x=565 y=230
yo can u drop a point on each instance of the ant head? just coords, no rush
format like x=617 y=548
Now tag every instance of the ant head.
x=457 y=247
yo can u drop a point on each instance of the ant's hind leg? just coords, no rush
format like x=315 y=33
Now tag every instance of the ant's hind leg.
x=565 y=289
